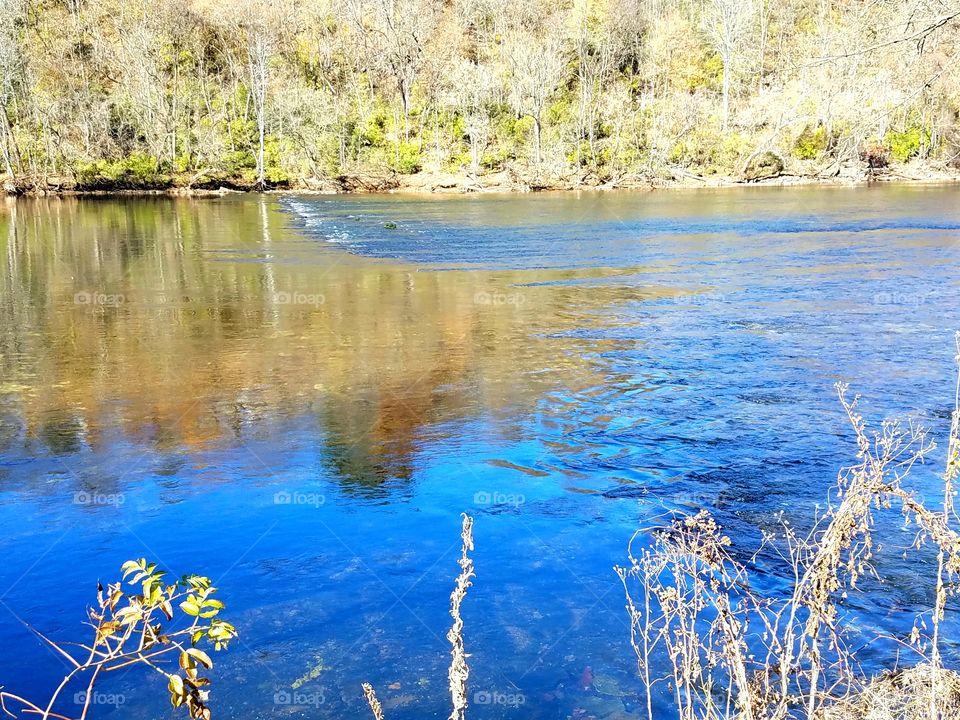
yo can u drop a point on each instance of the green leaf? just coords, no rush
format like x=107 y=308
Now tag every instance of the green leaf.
x=128 y=567
x=128 y=615
x=197 y=582
x=115 y=598
x=201 y=657
x=186 y=661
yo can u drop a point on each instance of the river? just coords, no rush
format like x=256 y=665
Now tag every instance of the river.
x=299 y=395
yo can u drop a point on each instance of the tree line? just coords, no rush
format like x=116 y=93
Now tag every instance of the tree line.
x=264 y=93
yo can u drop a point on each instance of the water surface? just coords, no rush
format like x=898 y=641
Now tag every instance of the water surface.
x=299 y=396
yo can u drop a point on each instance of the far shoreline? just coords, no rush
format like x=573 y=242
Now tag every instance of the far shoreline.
x=431 y=184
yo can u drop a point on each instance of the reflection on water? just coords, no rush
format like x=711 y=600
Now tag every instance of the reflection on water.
x=173 y=372
x=185 y=323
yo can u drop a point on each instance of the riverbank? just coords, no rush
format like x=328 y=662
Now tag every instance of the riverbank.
x=507 y=181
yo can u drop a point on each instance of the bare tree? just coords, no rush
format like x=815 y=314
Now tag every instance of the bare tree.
x=258 y=62
x=396 y=33
x=11 y=16
x=254 y=27
x=210 y=87
x=536 y=67
x=727 y=24
x=472 y=90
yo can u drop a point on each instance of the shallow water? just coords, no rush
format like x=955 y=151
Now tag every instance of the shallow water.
x=298 y=396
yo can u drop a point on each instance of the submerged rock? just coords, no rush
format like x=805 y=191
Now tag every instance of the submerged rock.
x=399 y=701
x=601 y=707
x=627 y=491
x=606 y=685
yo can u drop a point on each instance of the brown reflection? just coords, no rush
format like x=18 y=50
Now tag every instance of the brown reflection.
x=187 y=322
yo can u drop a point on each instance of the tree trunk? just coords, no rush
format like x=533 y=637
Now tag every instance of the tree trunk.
x=261 y=128
x=405 y=97
x=259 y=72
x=726 y=94
x=536 y=139
x=9 y=145
x=438 y=157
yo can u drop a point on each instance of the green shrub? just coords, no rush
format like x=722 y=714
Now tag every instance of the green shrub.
x=274 y=151
x=241 y=131
x=520 y=129
x=138 y=171
x=373 y=132
x=495 y=159
x=812 y=143
x=562 y=110
x=584 y=153
x=709 y=151
x=460 y=160
x=905 y=145
x=141 y=167
x=627 y=156
x=407 y=160
x=238 y=160
x=679 y=153
x=455 y=125
x=706 y=71
x=183 y=162
x=732 y=149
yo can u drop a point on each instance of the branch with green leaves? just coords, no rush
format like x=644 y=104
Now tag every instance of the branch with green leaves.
x=141 y=626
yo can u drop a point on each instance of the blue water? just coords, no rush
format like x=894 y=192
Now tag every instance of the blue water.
x=640 y=354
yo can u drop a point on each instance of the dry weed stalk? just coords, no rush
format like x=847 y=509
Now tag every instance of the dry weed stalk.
x=458 y=672
x=375 y=707
x=738 y=654
x=694 y=609
x=903 y=695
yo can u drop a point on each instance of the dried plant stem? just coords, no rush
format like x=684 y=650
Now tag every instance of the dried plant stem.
x=949 y=480
x=375 y=707
x=734 y=654
x=639 y=627
x=459 y=671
